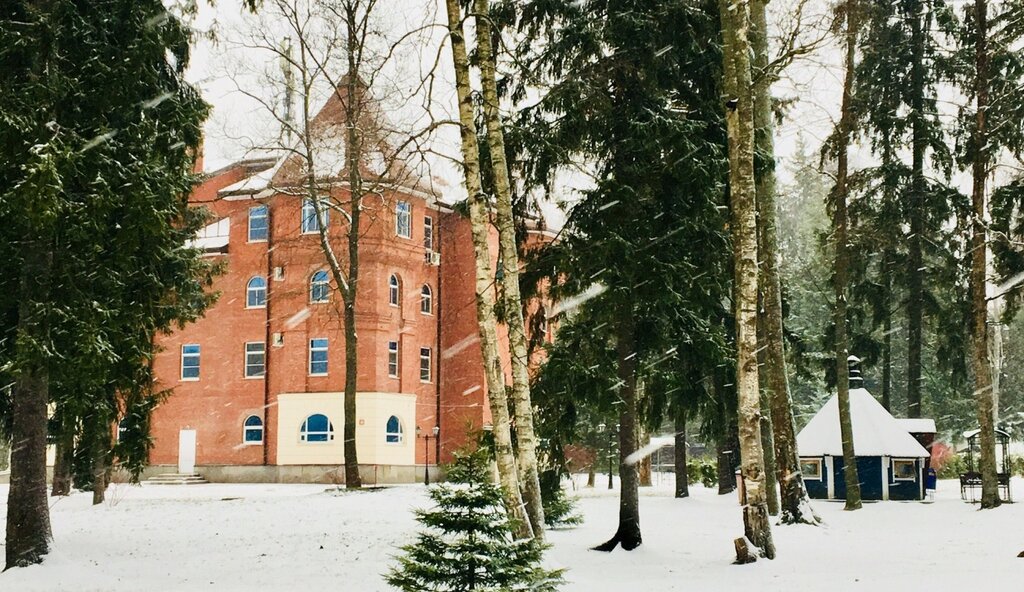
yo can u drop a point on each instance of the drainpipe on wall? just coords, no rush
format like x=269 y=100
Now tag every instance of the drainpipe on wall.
x=437 y=310
x=268 y=339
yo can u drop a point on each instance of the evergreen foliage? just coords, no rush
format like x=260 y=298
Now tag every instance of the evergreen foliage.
x=468 y=542
x=559 y=508
x=97 y=144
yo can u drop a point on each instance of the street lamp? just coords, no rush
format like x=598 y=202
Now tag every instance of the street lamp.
x=433 y=433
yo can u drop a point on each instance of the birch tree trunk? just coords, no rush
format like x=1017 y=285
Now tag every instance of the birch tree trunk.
x=526 y=439
x=841 y=263
x=740 y=123
x=981 y=365
x=795 y=503
x=28 y=514
x=487 y=323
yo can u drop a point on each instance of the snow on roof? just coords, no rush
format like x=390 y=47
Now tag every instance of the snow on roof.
x=251 y=184
x=917 y=425
x=875 y=431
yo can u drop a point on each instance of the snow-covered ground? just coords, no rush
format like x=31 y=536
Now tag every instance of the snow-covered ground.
x=291 y=537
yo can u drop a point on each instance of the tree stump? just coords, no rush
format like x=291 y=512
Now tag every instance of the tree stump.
x=743 y=554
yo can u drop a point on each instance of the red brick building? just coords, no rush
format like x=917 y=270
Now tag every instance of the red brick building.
x=258 y=382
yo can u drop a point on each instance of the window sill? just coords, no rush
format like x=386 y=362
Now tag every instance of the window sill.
x=260 y=377
x=189 y=380
x=426 y=381
x=256 y=240
x=262 y=306
x=252 y=444
x=319 y=375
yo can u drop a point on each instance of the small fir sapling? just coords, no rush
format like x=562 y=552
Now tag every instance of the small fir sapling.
x=468 y=542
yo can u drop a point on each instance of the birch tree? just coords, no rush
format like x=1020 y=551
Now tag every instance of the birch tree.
x=486 y=320
x=795 y=505
x=739 y=112
x=509 y=256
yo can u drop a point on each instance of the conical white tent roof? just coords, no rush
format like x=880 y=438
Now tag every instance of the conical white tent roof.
x=875 y=431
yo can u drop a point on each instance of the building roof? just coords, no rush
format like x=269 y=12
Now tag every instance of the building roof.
x=875 y=431
x=917 y=425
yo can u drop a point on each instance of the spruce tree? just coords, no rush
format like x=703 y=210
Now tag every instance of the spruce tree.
x=93 y=194
x=468 y=542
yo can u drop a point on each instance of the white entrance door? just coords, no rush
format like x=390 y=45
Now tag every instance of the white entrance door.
x=187 y=451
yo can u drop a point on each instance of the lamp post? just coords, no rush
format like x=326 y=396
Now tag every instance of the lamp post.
x=433 y=433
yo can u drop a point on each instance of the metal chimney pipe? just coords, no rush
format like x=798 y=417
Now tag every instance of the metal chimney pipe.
x=856 y=380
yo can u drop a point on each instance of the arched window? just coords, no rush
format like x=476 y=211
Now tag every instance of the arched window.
x=394 y=290
x=253 y=430
x=317 y=428
x=394 y=430
x=426 y=300
x=319 y=291
x=256 y=293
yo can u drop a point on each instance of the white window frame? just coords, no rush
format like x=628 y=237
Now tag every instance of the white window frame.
x=428 y=233
x=304 y=434
x=251 y=350
x=313 y=284
x=312 y=348
x=426 y=355
x=403 y=219
x=816 y=461
x=394 y=291
x=400 y=433
x=249 y=290
x=309 y=215
x=266 y=219
x=394 y=359
x=910 y=461
x=198 y=357
x=246 y=428
x=426 y=300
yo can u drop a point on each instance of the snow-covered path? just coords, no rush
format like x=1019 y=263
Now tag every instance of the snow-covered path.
x=288 y=537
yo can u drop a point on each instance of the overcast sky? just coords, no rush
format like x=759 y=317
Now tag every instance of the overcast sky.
x=238 y=123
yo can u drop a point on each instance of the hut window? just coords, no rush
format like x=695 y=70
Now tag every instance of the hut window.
x=904 y=470
x=810 y=468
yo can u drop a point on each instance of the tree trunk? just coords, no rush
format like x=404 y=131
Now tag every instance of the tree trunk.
x=915 y=213
x=592 y=474
x=841 y=263
x=526 y=439
x=887 y=333
x=740 y=123
x=63 y=459
x=100 y=450
x=353 y=115
x=643 y=466
x=795 y=503
x=28 y=515
x=980 y=363
x=682 y=477
x=497 y=397
x=628 y=532
x=726 y=447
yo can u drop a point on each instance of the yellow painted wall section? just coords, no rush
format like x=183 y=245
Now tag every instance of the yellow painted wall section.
x=373 y=409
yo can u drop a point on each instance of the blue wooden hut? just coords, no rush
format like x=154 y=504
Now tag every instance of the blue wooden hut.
x=891 y=463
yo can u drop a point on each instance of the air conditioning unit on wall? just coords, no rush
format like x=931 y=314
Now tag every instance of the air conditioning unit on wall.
x=433 y=258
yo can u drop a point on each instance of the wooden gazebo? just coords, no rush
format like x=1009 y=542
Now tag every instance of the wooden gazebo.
x=970 y=482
